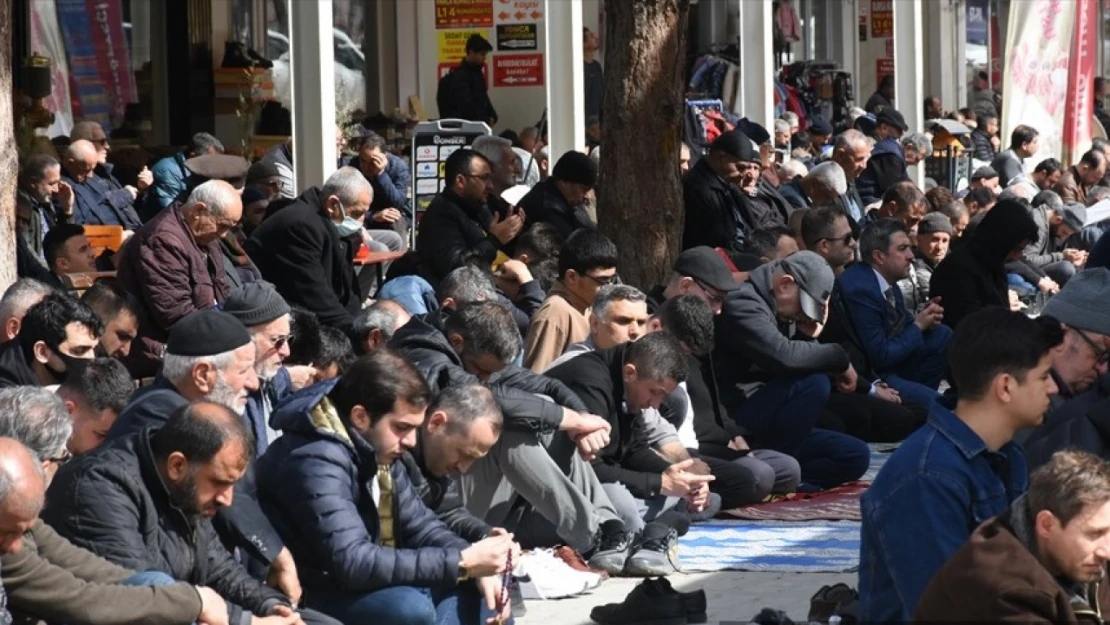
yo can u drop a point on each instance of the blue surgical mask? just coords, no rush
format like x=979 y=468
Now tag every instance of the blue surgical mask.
x=349 y=225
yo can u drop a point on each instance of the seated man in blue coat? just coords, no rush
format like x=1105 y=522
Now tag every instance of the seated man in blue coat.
x=960 y=468
x=369 y=549
x=908 y=352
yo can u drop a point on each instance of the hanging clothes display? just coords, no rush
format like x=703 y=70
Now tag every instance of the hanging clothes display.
x=705 y=120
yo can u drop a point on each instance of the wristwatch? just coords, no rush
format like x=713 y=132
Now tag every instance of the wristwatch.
x=464 y=573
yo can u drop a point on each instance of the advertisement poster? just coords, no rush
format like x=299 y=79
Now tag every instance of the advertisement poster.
x=464 y=13
x=1081 y=72
x=46 y=39
x=519 y=11
x=882 y=19
x=100 y=70
x=1038 y=47
x=518 y=70
x=451 y=44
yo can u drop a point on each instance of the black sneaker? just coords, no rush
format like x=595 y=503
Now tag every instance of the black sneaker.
x=694 y=603
x=614 y=545
x=645 y=605
x=657 y=553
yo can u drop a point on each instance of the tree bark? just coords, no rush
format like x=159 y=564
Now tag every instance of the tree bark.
x=639 y=188
x=9 y=161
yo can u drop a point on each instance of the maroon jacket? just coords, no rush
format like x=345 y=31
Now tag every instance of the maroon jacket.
x=172 y=276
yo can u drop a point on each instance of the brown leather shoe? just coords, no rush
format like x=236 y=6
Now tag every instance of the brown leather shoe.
x=575 y=561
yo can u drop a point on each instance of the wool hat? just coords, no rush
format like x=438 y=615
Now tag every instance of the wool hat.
x=260 y=170
x=1081 y=304
x=1074 y=215
x=704 y=264
x=737 y=145
x=577 y=168
x=255 y=303
x=935 y=222
x=818 y=126
x=815 y=280
x=206 y=333
x=986 y=171
x=892 y=117
x=754 y=131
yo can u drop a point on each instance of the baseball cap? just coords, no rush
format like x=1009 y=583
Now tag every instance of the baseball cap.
x=704 y=264
x=815 y=281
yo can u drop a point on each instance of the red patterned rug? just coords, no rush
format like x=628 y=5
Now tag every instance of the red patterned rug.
x=836 y=504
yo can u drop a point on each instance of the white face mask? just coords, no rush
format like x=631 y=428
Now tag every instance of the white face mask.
x=349 y=225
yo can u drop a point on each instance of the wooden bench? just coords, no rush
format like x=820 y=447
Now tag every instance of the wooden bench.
x=104 y=238
x=80 y=282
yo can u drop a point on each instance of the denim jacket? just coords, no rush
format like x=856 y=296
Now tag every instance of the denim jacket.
x=925 y=503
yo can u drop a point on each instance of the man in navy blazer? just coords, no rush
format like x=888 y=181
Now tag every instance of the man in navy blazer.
x=909 y=352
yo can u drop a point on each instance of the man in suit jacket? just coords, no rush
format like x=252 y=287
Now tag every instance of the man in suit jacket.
x=303 y=248
x=908 y=351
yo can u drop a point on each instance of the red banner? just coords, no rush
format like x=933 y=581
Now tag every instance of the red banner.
x=1081 y=71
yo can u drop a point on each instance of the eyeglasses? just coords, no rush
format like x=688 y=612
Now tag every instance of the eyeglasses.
x=1103 y=354
x=280 y=341
x=715 y=296
x=604 y=280
x=483 y=177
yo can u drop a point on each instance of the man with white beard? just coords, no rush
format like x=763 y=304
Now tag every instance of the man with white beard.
x=210 y=355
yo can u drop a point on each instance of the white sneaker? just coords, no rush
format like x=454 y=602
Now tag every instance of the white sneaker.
x=541 y=575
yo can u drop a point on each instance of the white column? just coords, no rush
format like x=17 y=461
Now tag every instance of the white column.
x=942 y=49
x=757 y=101
x=909 y=92
x=566 y=91
x=312 y=81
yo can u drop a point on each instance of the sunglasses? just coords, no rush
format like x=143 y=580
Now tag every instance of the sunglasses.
x=1103 y=354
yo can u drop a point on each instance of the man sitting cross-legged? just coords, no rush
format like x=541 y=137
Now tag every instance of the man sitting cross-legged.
x=146 y=501
x=627 y=384
x=369 y=549
x=533 y=482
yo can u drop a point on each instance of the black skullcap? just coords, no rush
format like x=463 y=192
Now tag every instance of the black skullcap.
x=256 y=303
x=206 y=333
x=575 y=167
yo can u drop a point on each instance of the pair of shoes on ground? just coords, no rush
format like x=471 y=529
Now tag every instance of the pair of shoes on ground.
x=654 y=602
x=542 y=574
x=838 y=599
x=653 y=553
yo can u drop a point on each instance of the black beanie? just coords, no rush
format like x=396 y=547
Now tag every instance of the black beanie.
x=577 y=168
x=255 y=303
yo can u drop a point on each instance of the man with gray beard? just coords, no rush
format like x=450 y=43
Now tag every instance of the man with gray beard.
x=210 y=355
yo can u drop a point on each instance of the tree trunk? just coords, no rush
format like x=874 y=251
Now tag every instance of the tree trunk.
x=9 y=161
x=639 y=189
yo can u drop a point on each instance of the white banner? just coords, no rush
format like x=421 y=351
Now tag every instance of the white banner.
x=1038 y=46
x=46 y=39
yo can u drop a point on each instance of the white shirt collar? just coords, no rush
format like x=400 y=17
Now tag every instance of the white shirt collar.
x=883 y=284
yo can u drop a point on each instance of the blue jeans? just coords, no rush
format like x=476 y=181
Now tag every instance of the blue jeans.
x=404 y=605
x=781 y=416
x=916 y=379
x=1019 y=284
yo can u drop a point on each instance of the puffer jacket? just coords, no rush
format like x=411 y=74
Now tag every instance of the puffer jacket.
x=316 y=483
x=517 y=390
x=974 y=276
x=113 y=502
x=982 y=146
x=443 y=496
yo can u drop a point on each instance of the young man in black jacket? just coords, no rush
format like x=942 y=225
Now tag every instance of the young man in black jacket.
x=462 y=94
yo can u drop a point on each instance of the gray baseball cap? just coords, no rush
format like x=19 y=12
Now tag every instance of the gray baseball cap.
x=815 y=281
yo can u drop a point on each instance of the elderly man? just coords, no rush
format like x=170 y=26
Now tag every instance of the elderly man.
x=824 y=184
x=50 y=199
x=499 y=152
x=57 y=337
x=888 y=161
x=375 y=325
x=171 y=174
x=305 y=251
x=210 y=356
x=561 y=199
x=1078 y=180
x=851 y=151
x=717 y=213
x=95 y=202
x=388 y=176
x=147 y=500
x=94 y=133
x=17 y=300
x=934 y=236
x=1041 y=560
x=175 y=265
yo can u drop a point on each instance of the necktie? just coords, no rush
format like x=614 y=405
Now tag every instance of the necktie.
x=385 y=506
x=896 y=322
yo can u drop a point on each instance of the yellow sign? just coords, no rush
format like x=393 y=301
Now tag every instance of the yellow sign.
x=452 y=43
